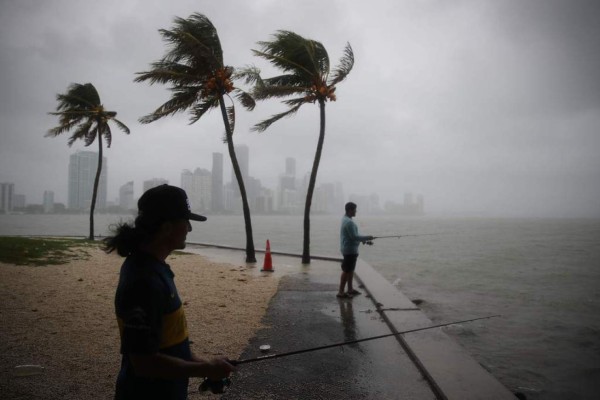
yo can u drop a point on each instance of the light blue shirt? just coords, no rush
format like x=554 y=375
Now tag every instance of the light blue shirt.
x=349 y=237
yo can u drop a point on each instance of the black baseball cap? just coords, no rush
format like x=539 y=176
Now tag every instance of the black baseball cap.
x=167 y=201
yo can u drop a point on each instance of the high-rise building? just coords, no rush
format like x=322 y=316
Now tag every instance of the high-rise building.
x=420 y=204
x=340 y=198
x=324 y=199
x=290 y=166
x=48 y=201
x=217 y=182
x=198 y=188
x=18 y=202
x=263 y=204
x=126 y=199
x=154 y=182
x=6 y=197
x=408 y=207
x=82 y=173
x=288 y=180
x=253 y=190
x=287 y=195
x=228 y=198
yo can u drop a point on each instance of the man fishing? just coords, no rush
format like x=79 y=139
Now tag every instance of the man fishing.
x=349 y=242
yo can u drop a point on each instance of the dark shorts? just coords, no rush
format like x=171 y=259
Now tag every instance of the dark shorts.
x=349 y=262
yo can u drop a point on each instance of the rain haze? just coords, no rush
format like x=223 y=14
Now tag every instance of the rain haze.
x=484 y=107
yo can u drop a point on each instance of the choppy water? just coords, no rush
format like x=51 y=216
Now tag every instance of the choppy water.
x=542 y=275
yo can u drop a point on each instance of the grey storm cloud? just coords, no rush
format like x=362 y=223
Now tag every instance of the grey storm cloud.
x=484 y=107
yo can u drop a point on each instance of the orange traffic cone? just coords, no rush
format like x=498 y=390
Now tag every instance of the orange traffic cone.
x=268 y=263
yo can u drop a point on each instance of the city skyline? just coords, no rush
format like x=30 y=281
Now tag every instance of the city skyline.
x=286 y=197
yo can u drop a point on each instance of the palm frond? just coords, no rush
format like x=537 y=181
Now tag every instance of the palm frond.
x=78 y=97
x=182 y=99
x=288 y=80
x=293 y=53
x=204 y=33
x=189 y=50
x=72 y=114
x=271 y=91
x=195 y=42
x=90 y=135
x=249 y=74
x=298 y=101
x=81 y=131
x=283 y=63
x=264 y=125
x=345 y=66
x=169 y=72
x=106 y=132
x=199 y=109
x=61 y=128
x=121 y=126
x=318 y=56
x=245 y=99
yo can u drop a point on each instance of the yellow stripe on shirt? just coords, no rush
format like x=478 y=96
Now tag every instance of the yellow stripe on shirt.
x=174 y=329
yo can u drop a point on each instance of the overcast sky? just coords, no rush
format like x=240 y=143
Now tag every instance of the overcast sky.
x=482 y=106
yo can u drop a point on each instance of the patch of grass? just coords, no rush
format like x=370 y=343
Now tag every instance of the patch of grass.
x=42 y=251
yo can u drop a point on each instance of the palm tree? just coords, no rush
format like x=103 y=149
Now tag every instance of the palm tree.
x=200 y=81
x=307 y=79
x=81 y=110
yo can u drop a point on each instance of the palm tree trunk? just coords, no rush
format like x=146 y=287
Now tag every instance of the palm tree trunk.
x=250 y=252
x=95 y=192
x=311 y=186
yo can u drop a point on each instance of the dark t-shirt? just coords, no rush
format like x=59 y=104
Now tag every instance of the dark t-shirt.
x=151 y=320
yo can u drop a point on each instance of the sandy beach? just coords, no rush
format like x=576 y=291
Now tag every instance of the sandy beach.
x=62 y=318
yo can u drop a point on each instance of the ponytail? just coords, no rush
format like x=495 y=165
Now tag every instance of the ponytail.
x=128 y=237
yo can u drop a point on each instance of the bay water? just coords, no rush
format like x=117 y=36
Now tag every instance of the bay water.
x=541 y=275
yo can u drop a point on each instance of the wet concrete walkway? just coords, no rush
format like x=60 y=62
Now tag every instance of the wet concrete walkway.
x=305 y=313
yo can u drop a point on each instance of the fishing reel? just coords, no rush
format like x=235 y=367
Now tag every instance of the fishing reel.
x=215 y=386
x=369 y=243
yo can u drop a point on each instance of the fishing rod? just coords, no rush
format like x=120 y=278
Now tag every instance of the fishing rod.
x=290 y=353
x=370 y=242
x=399 y=236
x=219 y=385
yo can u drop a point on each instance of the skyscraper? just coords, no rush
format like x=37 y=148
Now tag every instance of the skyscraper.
x=198 y=188
x=324 y=199
x=287 y=195
x=48 y=201
x=6 y=195
x=340 y=198
x=18 y=202
x=217 y=182
x=126 y=201
x=290 y=166
x=154 y=182
x=82 y=172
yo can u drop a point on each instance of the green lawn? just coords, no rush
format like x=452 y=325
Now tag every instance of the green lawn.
x=42 y=251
